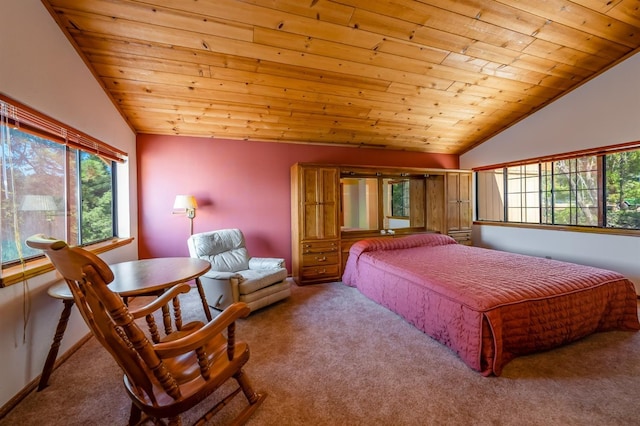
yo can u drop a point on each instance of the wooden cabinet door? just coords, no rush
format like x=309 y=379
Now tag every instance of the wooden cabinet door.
x=458 y=195
x=319 y=199
x=329 y=203
x=436 y=207
x=464 y=196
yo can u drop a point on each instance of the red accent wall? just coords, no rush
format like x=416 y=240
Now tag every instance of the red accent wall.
x=237 y=184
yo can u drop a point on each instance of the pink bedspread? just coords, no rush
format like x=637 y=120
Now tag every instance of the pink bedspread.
x=489 y=306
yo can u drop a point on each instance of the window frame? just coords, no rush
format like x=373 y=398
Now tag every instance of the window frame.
x=28 y=120
x=600 y=155
x=41 y=265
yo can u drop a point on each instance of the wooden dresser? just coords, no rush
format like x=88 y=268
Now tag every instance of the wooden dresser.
x=315 y=229
x=319 y=248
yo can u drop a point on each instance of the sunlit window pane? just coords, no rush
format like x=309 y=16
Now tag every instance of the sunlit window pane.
x=42 y=185
x=623 y=190
x=32 y=191
x=491 y=185
x=569 y=191
x=97 y=198
x=576 y=190
x=523 y=194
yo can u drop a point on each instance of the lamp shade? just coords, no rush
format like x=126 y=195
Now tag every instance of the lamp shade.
x=185 y=202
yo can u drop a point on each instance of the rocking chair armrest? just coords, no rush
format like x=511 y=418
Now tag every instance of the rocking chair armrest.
x=201 y=336
x=160 y=301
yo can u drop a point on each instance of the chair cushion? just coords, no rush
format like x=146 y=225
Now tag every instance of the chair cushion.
x=255 y=279
x=224 y=249
x=230 y=261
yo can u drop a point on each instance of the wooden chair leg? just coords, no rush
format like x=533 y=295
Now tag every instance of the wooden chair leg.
x=255 y=399
x=55 y=345
x=135 y=414
x=245 y=385
x=203 y=298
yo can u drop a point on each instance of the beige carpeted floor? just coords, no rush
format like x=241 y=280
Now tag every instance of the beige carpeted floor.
x=329 y=356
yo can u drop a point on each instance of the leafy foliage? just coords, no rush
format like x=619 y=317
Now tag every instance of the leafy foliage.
x=97 y=198
x=623 y=189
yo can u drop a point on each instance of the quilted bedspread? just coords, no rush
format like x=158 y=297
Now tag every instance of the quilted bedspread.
x=489 y=306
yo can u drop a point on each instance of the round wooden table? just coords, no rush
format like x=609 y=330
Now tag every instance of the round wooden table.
x=146 y=277
x=153 y=276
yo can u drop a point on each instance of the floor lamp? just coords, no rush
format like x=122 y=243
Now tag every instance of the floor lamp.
x=186 y=204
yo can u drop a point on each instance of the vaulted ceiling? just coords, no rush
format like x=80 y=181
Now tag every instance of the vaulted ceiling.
x=436 y=76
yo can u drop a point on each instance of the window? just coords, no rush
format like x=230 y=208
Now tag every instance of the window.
x=622 y=172
x=592 y=190
x=490 y=206
x=572 y=191
x=55 y=181
x=523 y=194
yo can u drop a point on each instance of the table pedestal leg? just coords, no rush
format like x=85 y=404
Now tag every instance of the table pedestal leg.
x=55 y=345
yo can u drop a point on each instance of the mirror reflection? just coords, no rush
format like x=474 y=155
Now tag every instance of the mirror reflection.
x=359 y=204
x=376 y=203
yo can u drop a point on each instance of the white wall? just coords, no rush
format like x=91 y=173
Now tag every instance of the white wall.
x=604 y=111
x=40 y=68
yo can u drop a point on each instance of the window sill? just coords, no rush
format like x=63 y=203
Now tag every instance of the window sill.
x=586 y=229
x=33 y=268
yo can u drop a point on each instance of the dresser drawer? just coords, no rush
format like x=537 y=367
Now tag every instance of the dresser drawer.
x=319 y=259
x=323 y=272
x=319 y=247
x=461 y=237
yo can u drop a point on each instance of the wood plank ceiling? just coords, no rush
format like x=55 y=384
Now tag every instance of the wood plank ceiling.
x=435 y=76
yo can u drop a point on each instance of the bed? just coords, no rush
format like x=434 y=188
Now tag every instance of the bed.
x=489 y=306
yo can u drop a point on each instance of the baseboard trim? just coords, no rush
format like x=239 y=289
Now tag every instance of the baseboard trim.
x=10 y=405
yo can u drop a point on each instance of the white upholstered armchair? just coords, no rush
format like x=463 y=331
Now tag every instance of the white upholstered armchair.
x=235 y=276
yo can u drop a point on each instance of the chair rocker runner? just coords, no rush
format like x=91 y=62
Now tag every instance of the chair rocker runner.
x=166 y=375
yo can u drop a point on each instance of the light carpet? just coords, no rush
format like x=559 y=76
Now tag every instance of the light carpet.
x=330 y=356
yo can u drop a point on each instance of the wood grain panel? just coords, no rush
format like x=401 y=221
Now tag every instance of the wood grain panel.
x=430 y=75
x=574 y=15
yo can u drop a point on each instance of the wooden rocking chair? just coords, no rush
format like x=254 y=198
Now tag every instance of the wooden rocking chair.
x=164 y=375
